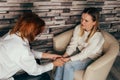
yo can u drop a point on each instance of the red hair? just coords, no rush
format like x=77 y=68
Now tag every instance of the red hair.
x=29 y=25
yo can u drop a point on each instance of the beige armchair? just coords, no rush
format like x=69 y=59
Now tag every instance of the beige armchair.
x=99 y=69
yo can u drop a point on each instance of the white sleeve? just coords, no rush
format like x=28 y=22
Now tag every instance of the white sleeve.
x=93 y=47
x=73 y=43
x=37 y=54
x=27 y=62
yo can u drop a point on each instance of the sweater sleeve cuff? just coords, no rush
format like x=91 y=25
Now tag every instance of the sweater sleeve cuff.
x=69 y=52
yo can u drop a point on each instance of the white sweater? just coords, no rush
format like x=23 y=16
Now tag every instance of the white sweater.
x=92 y=49
x=15 y=55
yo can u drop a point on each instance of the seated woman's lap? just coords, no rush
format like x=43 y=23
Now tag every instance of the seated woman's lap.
x=78 y=65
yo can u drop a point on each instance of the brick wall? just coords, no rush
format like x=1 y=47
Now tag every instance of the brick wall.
x=59 y=15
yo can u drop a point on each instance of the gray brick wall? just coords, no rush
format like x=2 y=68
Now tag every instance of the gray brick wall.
x=59 y=15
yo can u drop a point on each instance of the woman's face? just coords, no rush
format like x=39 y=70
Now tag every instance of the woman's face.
x=86 y=22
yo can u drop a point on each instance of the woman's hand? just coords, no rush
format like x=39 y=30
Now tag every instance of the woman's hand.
x=65 y=59
x=65 y=55
x=58 y=62
x=50 y=56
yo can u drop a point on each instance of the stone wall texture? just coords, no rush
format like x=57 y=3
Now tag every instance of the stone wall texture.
x=59 y=15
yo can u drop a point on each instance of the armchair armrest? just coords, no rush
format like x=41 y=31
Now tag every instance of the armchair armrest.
x=101 y=67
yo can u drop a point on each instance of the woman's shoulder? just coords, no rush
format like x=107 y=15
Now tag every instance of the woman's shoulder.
x=98 y=35
x=12 y=41
x=77 y=28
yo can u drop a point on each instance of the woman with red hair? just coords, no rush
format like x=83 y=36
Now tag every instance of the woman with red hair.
x=15 y=52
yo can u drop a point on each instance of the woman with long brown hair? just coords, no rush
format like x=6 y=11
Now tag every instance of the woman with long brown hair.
x=85 y=46
x=15 y=52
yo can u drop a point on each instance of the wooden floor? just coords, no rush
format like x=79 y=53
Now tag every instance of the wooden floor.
x=115 y=71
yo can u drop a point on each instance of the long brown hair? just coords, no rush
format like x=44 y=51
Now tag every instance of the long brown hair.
x=29 y=25
x=94 y=13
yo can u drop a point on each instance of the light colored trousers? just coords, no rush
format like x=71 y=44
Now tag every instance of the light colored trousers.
x=66 y=72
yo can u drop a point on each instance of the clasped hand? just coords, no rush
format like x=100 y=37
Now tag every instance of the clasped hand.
x=58 y=60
